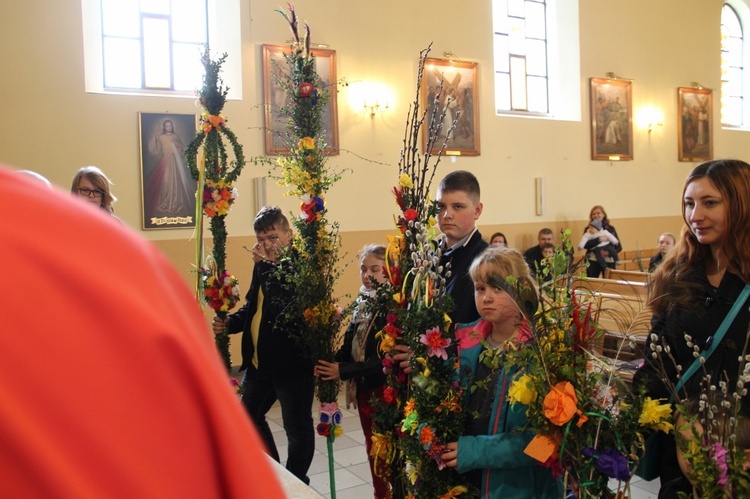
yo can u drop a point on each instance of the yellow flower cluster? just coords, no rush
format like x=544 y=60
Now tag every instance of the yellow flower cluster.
x=656 y=415
x=294 y=176
x=522 y=390
x=320 y=314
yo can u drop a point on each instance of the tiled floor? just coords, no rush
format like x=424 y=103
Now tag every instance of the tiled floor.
x=351 y=471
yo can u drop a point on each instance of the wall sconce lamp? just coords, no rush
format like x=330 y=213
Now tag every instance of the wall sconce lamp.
x=374 y=106
x=650 y=118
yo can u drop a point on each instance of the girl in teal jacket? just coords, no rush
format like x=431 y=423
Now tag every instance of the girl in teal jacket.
x=492 y=448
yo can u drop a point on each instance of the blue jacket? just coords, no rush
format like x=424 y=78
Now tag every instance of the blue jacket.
x=507 y=472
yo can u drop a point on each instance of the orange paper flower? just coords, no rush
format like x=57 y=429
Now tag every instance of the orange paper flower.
x=561 y=403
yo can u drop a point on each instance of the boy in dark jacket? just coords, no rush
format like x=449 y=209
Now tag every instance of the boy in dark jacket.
x=275 y=364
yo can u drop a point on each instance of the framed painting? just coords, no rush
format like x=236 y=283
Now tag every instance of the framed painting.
x=275 y=98
x=611 y=119
x=167 y=189
x=694 y=130
x=459 y=99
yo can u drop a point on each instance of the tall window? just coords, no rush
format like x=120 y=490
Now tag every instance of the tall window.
x=154 y=46
x=520 y=41
x=732 y=68
x=532 y=41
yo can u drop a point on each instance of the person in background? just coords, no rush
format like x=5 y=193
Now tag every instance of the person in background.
x=695 y=287
x=36 y=176
x=274 y=361
x=606 y=243
x=595 y=269
x=358 y=361
x=534 y=255
x=92 y=185
x=666 y=243
x=492 y=447
x=498 y=239
x=132 y=399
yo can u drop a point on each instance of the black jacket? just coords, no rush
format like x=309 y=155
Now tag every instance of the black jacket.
x=368 y=373
x=279 y=352
x=460 y=286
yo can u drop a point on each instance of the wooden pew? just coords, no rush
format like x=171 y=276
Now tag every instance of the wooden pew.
x=626 y=275
x=621 y=310
x=636 y=259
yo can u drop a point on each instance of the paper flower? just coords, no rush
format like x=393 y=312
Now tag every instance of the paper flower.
x=561 y=403
x=307 y=143
x=435 y=342
x=610 y=463
x=405 y=181
x=305 y=89
x=656 y=415
x=522 y=390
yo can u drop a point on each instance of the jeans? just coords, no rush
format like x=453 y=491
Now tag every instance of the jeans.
x=295 y=394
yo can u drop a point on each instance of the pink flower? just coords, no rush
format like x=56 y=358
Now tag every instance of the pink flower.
x=435 y=343
x=720 y=456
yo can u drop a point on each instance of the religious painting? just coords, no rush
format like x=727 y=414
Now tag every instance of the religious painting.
x=457 y=101
x=694 y=130
x=611 y=119
x=275 y=99
x=167 y=189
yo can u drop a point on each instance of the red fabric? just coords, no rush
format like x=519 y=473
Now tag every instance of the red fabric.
x=110 y=385
x=365 y=409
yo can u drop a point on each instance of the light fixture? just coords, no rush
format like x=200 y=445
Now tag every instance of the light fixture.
x=373 y=105
x=650 y=118
x=371 y=97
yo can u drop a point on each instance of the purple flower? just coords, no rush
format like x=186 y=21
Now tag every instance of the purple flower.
x=610 y=463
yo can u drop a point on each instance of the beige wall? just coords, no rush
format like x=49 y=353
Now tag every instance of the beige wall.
x=52 y=126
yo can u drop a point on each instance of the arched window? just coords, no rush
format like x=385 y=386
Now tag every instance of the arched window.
x=732 y=68
x=532 y=40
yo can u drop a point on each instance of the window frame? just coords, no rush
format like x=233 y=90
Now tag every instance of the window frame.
x=563 y=51
x=223 y=28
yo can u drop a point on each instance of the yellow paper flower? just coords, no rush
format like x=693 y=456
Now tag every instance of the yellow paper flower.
x=656 y=415
x=405 y=181
x=306 y=143
x=522 y=390
x=338 y=431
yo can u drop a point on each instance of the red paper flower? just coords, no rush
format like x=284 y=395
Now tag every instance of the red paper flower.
x=323 y=429
x=389 y=395
x=305 y=89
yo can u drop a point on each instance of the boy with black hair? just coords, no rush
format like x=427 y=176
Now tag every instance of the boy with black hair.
x=275 y=362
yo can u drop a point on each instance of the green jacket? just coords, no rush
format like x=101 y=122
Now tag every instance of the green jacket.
x=507 y=472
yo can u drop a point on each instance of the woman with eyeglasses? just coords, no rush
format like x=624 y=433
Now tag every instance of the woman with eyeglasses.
x=91 y=184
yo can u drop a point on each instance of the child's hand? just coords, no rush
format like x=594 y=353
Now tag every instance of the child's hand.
x=219 y=325
x=327 y=371
x=450 y=457
x=402 y=358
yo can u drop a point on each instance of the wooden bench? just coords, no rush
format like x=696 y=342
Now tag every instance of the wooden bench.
x=621 y=311
x=637 y=260
x=626 y=275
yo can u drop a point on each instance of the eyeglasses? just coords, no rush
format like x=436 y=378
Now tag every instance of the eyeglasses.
x=89 y=193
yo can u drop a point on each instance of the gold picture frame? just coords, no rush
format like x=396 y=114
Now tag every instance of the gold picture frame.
x=611 y=119
x=461 y=83
x=694 y=124
x=275 y=98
